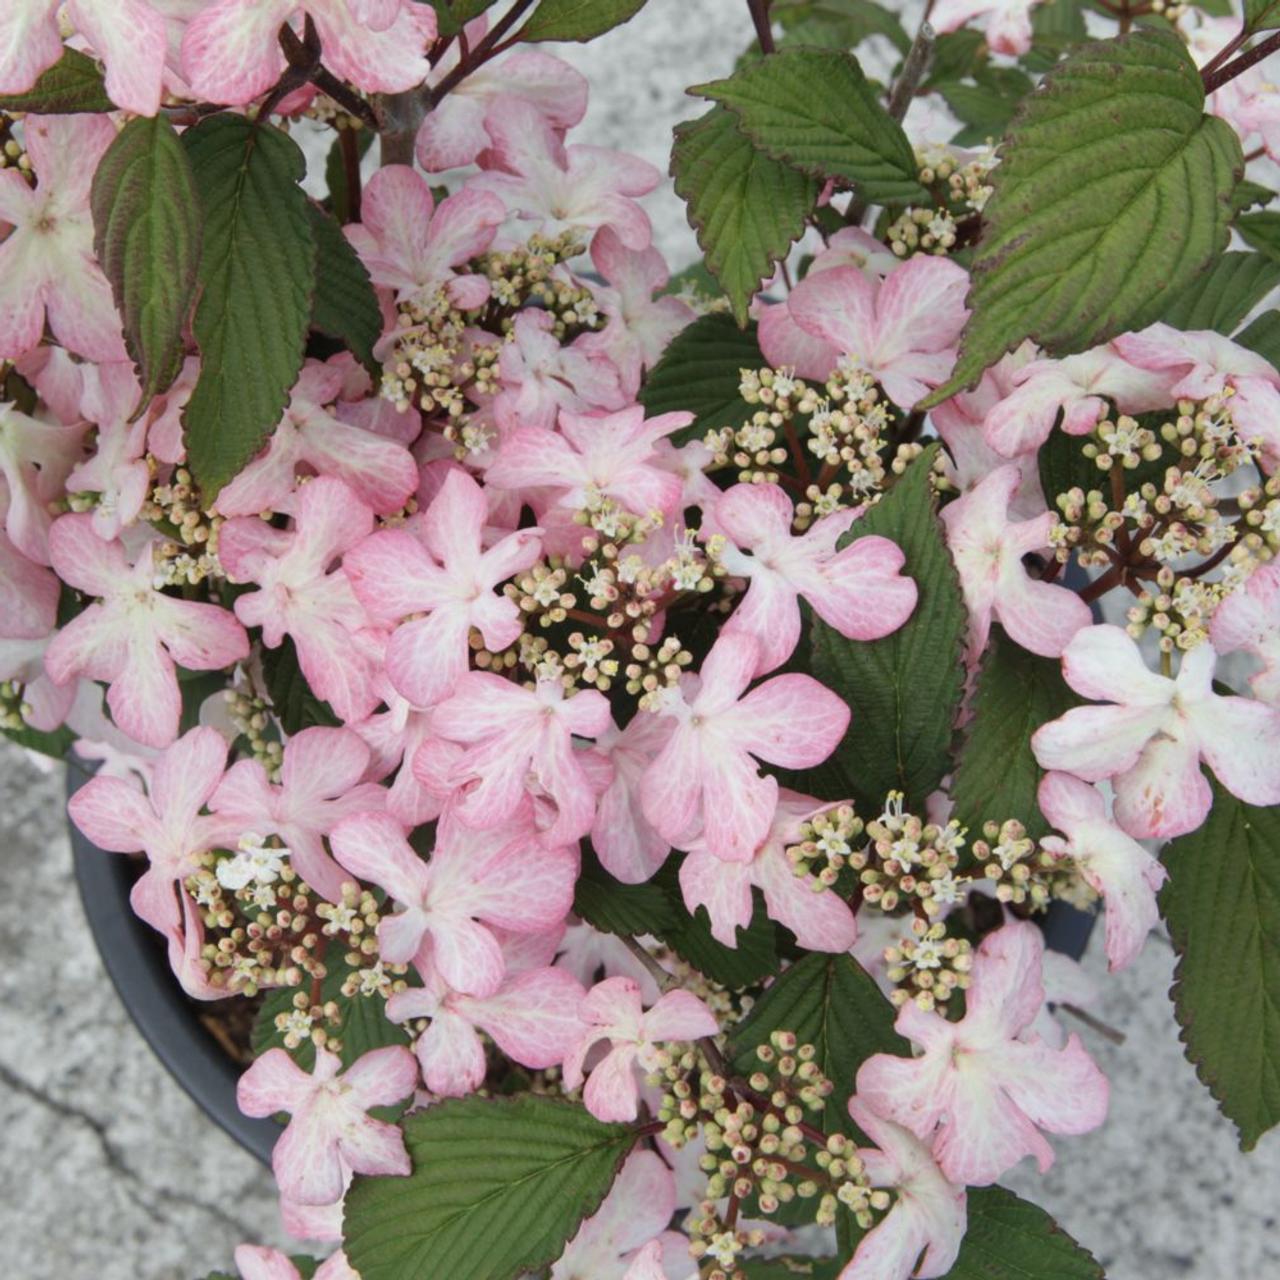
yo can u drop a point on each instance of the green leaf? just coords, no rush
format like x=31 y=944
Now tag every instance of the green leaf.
x=55 y=744
x=838 y=24
x=147 y=231
x=296 y=707
x=754 y=959
x=1261 y=231
x=613 y=907
x=987 y=106
x=1064 y=18
x=1222 y=905
x=790 y=1268
x=997 y=774
x=498 y=1186
x=956 y=56
x=579 y=20
x=701 y=372
x=1012 y=1239
x=1261 y=15
x=813 y=109
x=453 y=15
x=1263 y=336
x=1226 y=293
x=257 y=273
x=746 y=209
x=72 y=86
x=1247 y=194
x=1111 y=196
x=694 y=279
x=903 y=690
x=345 y=305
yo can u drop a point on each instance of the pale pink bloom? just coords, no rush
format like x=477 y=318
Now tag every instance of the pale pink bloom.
x=28 y=595
x=517 y=736
x=859 y=590
x=165 y=823
x=1152 y=740
x=540 y=377
x=640 y=326
x=1111 y=862
x=1260 y=113
x=613 y=1011
x=134 y=633
x=987 y=548
x=561 y=188
x=473 y=883
x=586 y=953
x=320 y=784
x=47 y=269
x=1247 y=101
x=820 y=921
x=990 y=1087
x=612 y=454
x=315 y=1221
x=129 y=36
x=650 y=1263
x=1007 y=26
x=257 y=1263
x=230 y=52
x=46 y=705
x=454 y=134
x=706 y=780
x=928 y=1214
x=1249 y=620
x=1203 y=364
x=414 y=246
x=301 y=595
x=1080 y=386
x=902 y=330
x=329 y=1131
x=440 y=568
x=394 y=737
x=381 y=472
x=636 y=1211
x=629 y=848
x=35 y=457
x=532 y=1017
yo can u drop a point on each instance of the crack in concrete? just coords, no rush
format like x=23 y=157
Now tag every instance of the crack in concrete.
x=134 y=1185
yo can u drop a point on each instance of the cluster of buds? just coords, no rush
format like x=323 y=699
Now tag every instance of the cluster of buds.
x=825 y=845
x=910 y=862
x=960 y=192
x=14 y=709
x=1011 y=861
x=1124 y=442
x=533 y=273
x=1261 y=510
x=13 y=154
x=189 y=553
x=928 y=965
x=324 y=110
x=959 y=180
x=921 y=231
x=1180 y=609
x=434 y=361
x=251 y=715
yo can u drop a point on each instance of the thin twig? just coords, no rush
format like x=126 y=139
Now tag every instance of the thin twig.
x=485 y=49
x=1214 y=80
x=913 y=71
x=764 y=28
x=1096 y=1024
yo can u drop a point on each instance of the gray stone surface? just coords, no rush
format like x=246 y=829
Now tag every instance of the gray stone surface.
x=110 y=1172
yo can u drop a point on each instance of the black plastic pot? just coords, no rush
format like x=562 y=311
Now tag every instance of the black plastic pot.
x=138 y=966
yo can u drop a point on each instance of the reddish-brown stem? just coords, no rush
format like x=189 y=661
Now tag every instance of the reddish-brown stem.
x=349 y=145
x=1256 y=154
x=1100 y=586
x=1215 y=79
x=1225 y=52
x=1117 y=503
x=764 y=29
x=485 y=49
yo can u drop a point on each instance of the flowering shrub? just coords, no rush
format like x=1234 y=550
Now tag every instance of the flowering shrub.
x=624 y=732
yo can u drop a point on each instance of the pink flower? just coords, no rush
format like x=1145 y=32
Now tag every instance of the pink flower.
x=1204 y=364
x=1113 y=863
x=442 y=570
x=166 y=823
x=612 y=1010
x=394 y=737
x=902 y=330
x=1152 y=740
x=412 y=245
x=821 y=921
x=230 y=53
x=47 y=269
x=1080 y=386
x=380 y=472
x=629 y=848
x=35 y=458
x=859 y=590
x=300 y=596
x=705 y=781
x=1007 y=26
x=129 y=35
x=473 y=883
x=611 y=454
x=512 y=734
x=987 y=548
x=28 y=595
x=989 y=1088
x=532 y=1017
x=257 y=1263
x=650 y=1264
x=928 y=1216
x=329 y=1131
x=562 y=188
x=134 y=634
x=1249 y=619
x=320 y=784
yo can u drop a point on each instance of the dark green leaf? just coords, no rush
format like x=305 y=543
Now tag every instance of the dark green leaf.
x=55 y=744
x=1222 y=906
x=746 y=209
x=838 y=24
x=147 y=227
x=296 y=707
x=1261 y=15
x=701 y=372
x=613 y=907
x=579 y=20
x=790 y=1268
x=1263 y=336
x=345 y=305
x=453 y=15
x=997 y=774
x=695 y=279
x=73 y=85
x=813 y=109
x=1063 y=18
x=498 y=1187
x=1226 y=293
x=903 y=690
x=1111 y=196
x=1012 y=1239
x=956 y=56
x=257 y=273
x=1247 y=194
x=1261 y=231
